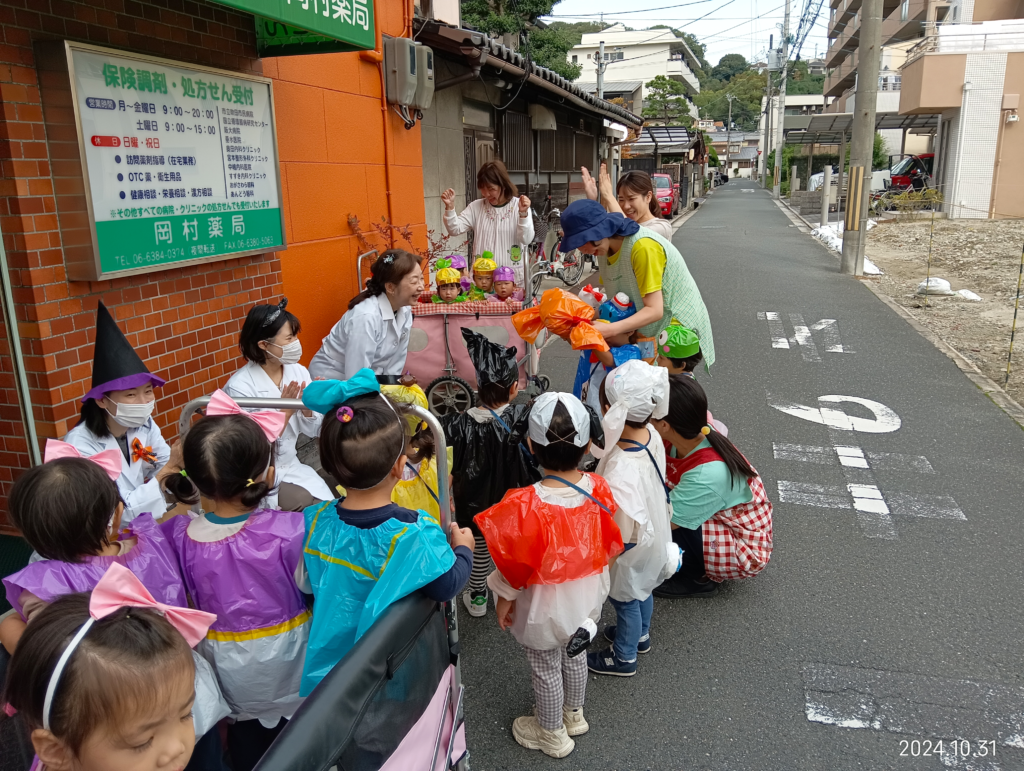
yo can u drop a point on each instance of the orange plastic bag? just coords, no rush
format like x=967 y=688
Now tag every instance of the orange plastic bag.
x=566 y=315
x=533 y=542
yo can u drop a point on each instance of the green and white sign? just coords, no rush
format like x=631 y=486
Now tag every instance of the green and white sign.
x=180 y=162
x=350 y=21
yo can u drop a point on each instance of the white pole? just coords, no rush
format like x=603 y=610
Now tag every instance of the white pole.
x=600 y=70
x=780 y=137
x=826 y=193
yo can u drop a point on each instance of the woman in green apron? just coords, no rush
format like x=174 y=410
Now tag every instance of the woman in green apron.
x=644 y=265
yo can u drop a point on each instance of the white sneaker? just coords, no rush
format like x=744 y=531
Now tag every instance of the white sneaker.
x=530 y=734
x=476 y=603
x=574 y=722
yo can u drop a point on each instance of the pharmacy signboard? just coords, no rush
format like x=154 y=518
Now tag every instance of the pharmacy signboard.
x=179 y=162
x=348 y=21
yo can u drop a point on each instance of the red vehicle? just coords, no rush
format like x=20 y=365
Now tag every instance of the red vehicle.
x=667 y=193
x=913 y=171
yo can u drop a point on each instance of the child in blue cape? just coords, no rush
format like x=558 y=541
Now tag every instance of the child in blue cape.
x=590 y=372
x=364 y=552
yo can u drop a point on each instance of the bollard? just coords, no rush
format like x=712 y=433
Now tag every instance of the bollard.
x=826 y=193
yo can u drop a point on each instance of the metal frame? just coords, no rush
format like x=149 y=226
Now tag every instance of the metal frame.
x=359 y=267
x=443 y=496
x=98 y=273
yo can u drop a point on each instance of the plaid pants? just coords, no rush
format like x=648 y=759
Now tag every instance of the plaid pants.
x=557 y=680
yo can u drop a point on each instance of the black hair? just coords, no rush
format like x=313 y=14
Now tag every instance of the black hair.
x=255 y=329
x=494 y=395
x=122 y=665
x=605 y=404
x=224 y=455
x=361 y=452
x=688 y=414
x=560 y=454
x=95 y=418
x=63 y=508
x=390 y=268
x=689 y=364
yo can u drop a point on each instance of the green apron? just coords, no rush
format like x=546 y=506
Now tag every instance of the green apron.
x=680 y=294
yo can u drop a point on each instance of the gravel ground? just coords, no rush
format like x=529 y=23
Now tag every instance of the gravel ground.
x=983 y=256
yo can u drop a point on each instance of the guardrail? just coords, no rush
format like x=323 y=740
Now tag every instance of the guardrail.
x=953 y=41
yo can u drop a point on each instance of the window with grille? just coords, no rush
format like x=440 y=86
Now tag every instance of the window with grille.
x=517 y=141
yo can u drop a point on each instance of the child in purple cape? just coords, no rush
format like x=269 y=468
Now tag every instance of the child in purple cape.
x=243 y=564
x=69 y=510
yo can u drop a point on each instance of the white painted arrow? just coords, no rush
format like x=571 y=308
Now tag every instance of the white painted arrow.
x=885 y=420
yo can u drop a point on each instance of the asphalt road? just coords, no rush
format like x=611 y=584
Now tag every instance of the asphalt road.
x=891 y=610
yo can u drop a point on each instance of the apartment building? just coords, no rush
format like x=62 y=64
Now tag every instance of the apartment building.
x=637 y=55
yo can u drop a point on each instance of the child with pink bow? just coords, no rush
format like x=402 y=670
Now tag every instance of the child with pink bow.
x=119 y=677
x=244 y=564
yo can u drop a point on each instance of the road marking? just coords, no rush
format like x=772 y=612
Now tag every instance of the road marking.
x=806 y=494
x=775 y=329
x=919 y=707
x=853 y=457
x=884 y=420
x=803 y=336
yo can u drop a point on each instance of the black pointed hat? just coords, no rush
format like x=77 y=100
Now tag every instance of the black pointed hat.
x=115 y=365
x=493 y=363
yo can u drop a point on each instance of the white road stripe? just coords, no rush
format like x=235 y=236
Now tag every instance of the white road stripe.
x=851 y=456
x=806 y=494
x=775 y=328
x=804 y=453
x=884 y=420
x=830 y=334
x=802 y=337
x=927 y=506
x=855 y=457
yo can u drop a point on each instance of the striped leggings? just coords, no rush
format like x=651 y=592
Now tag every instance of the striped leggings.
x=482 y=566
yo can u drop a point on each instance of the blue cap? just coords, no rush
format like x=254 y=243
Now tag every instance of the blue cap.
x=586 y=220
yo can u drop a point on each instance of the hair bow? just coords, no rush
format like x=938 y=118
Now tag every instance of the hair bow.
x=120 y=588
x=325 y=395
x=271 y=421
x=108 y=460
x=142 y=452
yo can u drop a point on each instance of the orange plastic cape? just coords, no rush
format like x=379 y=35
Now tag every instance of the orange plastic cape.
x=566 y=315
x=533 y=542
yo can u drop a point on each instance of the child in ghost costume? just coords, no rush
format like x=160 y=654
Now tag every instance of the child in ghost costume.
x=633 y=464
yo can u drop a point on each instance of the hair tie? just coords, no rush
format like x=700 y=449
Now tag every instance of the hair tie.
x=182 y=472
x=249 y=483
x=706 y=430
x=344 y=414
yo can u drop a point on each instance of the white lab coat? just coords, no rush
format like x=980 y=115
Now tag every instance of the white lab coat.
x=370 y=335
x=137 y=484
x=644 y=517
x=251 y=381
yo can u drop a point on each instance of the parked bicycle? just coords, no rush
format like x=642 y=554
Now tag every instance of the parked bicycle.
x=546 y=260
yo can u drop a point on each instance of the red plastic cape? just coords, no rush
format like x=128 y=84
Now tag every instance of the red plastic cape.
x=533 y=542
x=566 y=315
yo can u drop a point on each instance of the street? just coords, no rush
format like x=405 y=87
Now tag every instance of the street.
x=889 y=617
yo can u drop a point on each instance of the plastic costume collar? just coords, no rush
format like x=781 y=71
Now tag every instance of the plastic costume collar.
x=678 y=342
x=636 y=391
x=544 y=408
x=324 y=396
x=566 y=315
x=493 y=363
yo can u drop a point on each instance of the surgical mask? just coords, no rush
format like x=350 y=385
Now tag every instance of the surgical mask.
x=133 y=415
x=290 y=354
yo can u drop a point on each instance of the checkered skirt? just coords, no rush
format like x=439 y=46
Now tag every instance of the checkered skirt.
x=738 y=541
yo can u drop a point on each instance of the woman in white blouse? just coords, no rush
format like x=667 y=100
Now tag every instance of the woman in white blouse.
x=270 y=343
x=500 y=219
x=634 y=196
x=374 y=332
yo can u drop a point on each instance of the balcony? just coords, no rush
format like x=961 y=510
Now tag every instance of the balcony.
x=905 y=23
x=843 y=45
x=843 y=76
x=970 y=38
x=677 y=69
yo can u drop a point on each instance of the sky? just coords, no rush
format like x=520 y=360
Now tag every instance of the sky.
x=724 y=26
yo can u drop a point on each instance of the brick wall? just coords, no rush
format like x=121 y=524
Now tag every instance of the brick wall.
x=184 y=322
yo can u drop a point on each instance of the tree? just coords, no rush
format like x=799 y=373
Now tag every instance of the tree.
x=748 y=88
x=502 y=17
x=665 y=103
x=550 y=47
x=576 y=30
x=801 y=81
x=729 y=66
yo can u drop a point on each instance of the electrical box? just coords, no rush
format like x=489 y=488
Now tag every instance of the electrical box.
x=424 y=78
x=774 y=60
x=401 y=64
x=542 y=118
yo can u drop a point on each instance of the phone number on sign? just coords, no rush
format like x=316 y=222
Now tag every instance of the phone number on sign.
x=937 y=748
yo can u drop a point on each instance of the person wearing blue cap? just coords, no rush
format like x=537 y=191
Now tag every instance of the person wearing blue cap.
x=643 y=265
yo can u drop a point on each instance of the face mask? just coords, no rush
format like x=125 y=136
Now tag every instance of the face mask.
x=290 y=354
x=133 y=415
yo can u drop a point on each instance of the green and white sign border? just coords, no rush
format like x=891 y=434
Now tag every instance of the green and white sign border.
x=98 y=273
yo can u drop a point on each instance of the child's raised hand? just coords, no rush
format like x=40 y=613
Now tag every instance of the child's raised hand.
x=506 y=612
x=461 y=536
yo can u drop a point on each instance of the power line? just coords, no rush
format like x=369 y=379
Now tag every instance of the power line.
x=620 y=13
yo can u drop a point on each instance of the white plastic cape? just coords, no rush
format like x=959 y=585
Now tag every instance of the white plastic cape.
x=636 y=391
x=643 y=510
x=209 y=707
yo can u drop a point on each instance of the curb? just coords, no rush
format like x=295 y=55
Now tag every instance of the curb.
x=987 y=386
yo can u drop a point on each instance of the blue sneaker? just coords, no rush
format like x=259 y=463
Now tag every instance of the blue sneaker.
x=605 y=663
x=643 y=646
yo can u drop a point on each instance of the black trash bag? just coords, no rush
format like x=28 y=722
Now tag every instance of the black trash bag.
x=493 y=363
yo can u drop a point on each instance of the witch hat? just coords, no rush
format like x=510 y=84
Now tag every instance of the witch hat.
x=115 y=365
x=493 y=363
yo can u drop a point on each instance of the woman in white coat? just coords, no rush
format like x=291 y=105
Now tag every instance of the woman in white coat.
x=374 y=332
x=269 y=341
x=117 y=415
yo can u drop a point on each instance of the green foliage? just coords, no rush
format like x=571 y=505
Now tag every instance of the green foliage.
x=712 y=155
x=576 y=30
x=665 y=103
x=748 y=88
x=879 y=156
x=801 y=81
x=498 y=17
x=794 y=154
x=550 y=47
x=728 y=67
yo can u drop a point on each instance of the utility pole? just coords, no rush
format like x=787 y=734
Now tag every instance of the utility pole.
x=780 y=120
x=767 y=113
x=600 y=70
x=862 y=144
x=728 y=135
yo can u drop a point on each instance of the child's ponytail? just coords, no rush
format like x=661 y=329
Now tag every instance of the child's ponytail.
x=688 y=415
x=181 y=488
